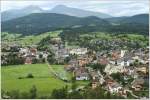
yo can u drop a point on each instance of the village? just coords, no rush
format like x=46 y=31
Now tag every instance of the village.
x=117 y=71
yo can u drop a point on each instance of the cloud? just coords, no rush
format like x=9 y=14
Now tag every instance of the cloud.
x=112 y=7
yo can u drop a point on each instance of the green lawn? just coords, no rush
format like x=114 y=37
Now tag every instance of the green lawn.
x=43 y=80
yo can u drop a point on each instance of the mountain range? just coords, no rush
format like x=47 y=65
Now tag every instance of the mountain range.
x=140 y=18
x=34 y=20
x=42 y=22
x=59 y=9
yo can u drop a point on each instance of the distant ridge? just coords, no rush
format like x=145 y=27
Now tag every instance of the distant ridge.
x=62 y=9
x=43 y=22
x=59 y=9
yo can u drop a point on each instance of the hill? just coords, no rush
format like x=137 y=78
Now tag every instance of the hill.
x=139 y=19
x=44 y=22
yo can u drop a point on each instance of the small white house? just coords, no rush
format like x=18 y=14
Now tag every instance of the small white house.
x=81 y=78
x=114 y=88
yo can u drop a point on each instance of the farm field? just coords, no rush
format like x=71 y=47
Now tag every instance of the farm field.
x=43 y=80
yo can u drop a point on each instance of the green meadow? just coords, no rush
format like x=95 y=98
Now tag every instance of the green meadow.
x=44 y=81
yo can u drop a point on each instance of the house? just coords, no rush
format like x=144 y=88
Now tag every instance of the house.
x=142 y=69
x=94 y=75
x=81 y=73
x=82 y=76
x=137 y=84
x=95 y=84
x=114 y=87
x=33 y=51
x=115 y=55
x=130 y=71
x=72 y=64
x=28 y=60
x=108 y=80
x=103 y=61
x=83 y=60
x=122 y=92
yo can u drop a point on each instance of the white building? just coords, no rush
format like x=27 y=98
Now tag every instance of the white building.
x=79 y=51
x=114 y=88
x=122 y=53
x=82 y=76
x=113 y=69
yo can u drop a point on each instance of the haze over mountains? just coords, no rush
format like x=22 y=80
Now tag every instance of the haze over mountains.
x=16 y=13
x=59 y=9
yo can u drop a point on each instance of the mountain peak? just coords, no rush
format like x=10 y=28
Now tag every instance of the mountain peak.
x=32 y=7
x=60 y=6
x=63 y=9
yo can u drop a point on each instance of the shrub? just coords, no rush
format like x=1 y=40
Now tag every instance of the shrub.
x=30 y=75
x=20 y=77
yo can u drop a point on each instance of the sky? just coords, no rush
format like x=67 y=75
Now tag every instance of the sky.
x=112 y=7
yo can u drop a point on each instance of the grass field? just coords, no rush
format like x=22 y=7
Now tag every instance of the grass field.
x=27 y=40
x=43 y=80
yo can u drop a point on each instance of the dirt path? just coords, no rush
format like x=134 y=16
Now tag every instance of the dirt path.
x=53 y=72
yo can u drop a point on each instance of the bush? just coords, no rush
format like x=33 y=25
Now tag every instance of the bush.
x=30 y=75
x=20 y=77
